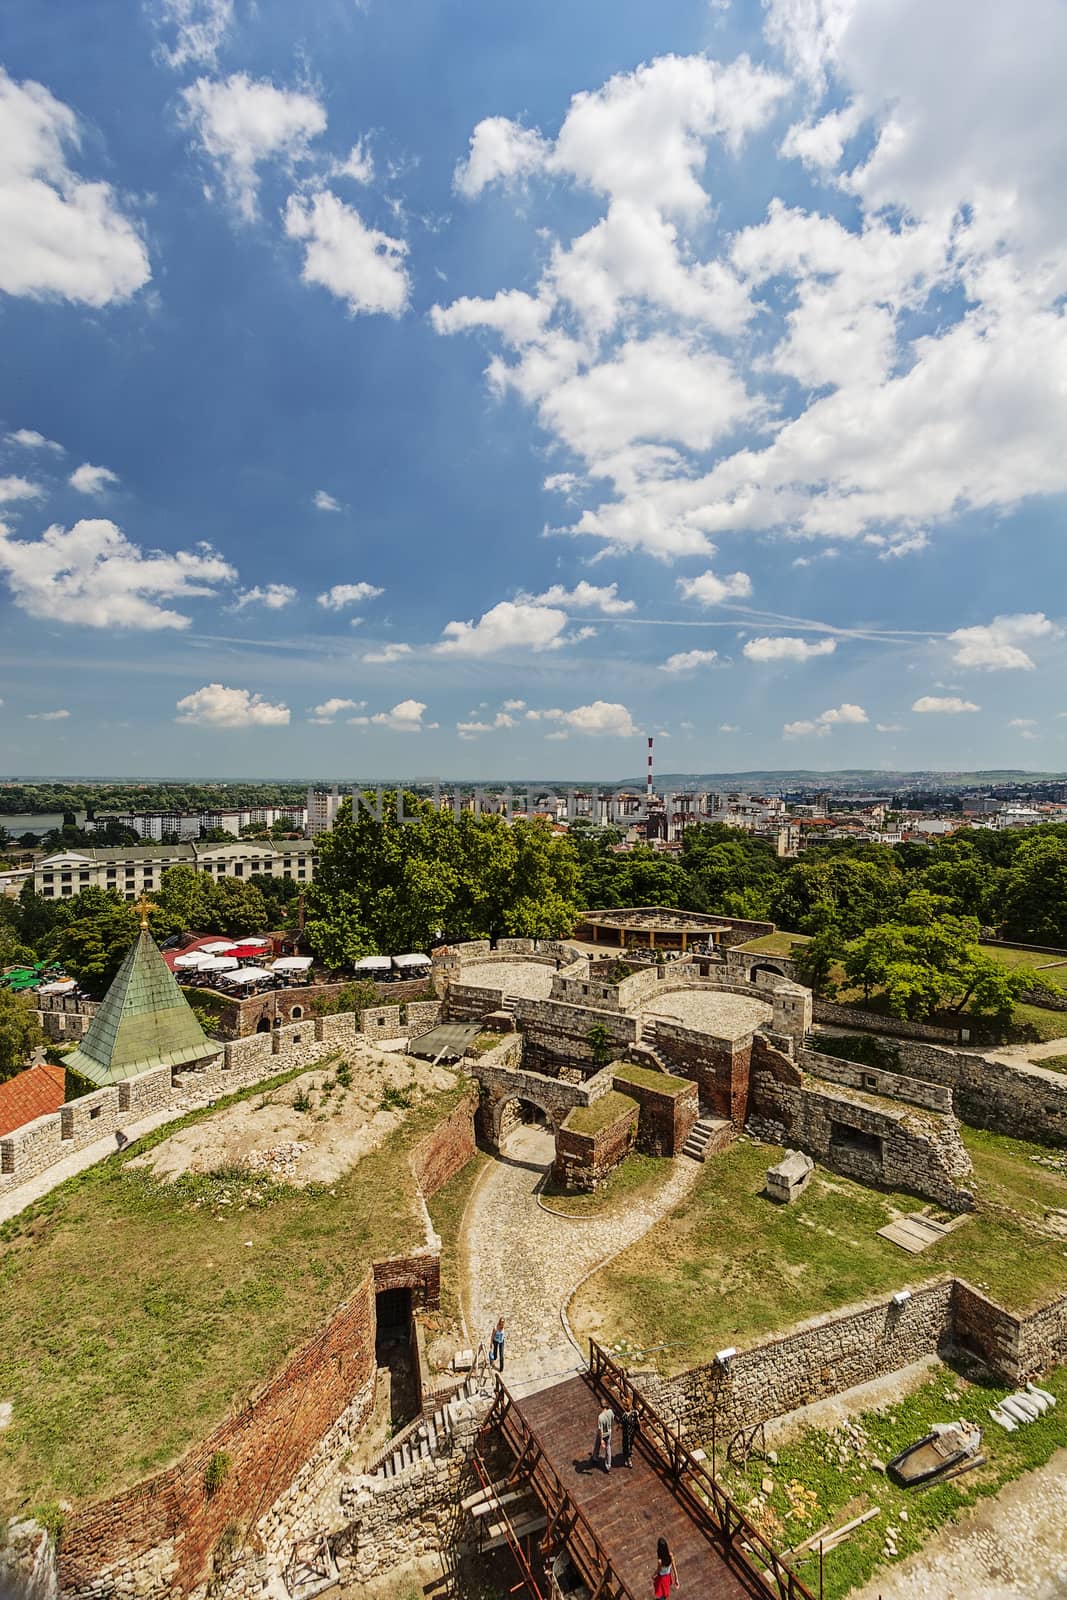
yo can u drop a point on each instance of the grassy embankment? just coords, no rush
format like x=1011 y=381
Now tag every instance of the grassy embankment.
x=729 y=1266
x=826 y=1476
x=134 y=1313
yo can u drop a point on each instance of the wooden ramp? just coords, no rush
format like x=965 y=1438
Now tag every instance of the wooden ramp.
x=609 y=1522
x=917 y=1232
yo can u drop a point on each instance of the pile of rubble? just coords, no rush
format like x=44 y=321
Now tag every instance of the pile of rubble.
x=280 y=1161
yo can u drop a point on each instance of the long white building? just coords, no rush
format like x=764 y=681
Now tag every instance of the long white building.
x=133 y=869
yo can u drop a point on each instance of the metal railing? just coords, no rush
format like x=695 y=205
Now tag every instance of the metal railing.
x=706 y=1501
x=565 y=1524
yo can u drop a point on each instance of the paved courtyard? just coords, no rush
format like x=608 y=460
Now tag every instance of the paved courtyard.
x=523 y=1262
x=530 y=980
x=723 y=1016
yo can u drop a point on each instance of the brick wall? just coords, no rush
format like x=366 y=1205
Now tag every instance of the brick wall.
x=447 y=1149
x=720 y=1068
x=584 y=1160
x=665 y=1118
x=114 y=1544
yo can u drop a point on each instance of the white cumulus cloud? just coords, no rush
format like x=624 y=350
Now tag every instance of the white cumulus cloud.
x=329 y=709
x=500 y=150
x=845 y=714
x=509 y=625
x=584 y=597
x=689 y=660
x=273 y=596
x=783 y=647
x=361 y=265
x=62 y=235
x=386 y=654
x=347 y=594
x=951 y=704
x=88 y=479
x=198 y=29
x=242 y=122
x=93 y=576
x=997 y=645
x=15 y=488
x=323 y=501
x=711 y=590
x=47 y=716
x=405 y=717
x=600 y=717
x=214 y=706
x=30 y=439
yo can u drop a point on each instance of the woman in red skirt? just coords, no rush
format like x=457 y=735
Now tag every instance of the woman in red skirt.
x=666 y=1579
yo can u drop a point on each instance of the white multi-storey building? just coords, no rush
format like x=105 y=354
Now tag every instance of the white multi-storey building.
x=135 y=869
x=322 y=808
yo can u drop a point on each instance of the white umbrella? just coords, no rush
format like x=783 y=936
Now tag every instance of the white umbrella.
x=213 y=949
x=194 y=959
x=61 y=986
x=291 y=964
x=218 y=963
x=246 y=975
x=373 y=964
x=407 y=963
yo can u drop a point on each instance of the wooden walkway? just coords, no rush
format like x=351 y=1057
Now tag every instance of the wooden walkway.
x=628 y=1510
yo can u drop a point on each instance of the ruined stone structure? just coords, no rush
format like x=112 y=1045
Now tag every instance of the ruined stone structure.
x=734 y=1030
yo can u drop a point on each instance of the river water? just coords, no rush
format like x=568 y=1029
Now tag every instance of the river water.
x=39 y=822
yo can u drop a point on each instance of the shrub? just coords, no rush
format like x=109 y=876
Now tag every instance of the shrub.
x=344 y=1075
x=216 y=1472
x=302 y=1101
x=860 y=1047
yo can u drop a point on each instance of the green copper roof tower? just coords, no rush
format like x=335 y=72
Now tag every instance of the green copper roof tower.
x=144 y=1021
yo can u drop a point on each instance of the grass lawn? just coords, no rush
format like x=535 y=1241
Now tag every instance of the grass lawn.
x=484 y=1042
x=1042 y=1023
x=838 y=1482
x=601 y=1114
x=637 y=1178
x=1032 y=960
x=729 y=1266
x=775 y=944
x=1053 y=1063
x=134 y=1314
x=446 y=1210
x=647 y=1078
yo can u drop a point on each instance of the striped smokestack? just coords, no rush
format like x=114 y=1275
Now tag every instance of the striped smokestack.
x=648 y=785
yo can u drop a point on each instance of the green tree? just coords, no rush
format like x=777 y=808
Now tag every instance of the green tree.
x=933 y=965
x=600 y=1045
x=850 y=894
x=92 y=948
x=235 y=906
x=20 y=1033
x=1034 y=906
x=815 y=960
x=183 y=900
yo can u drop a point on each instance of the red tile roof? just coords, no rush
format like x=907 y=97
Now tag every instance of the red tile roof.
x=30 y=1094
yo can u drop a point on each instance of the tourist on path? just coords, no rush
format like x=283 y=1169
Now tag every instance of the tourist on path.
x=630 y=1423
x=496 y=1346
x=666 y=1577
x=605 y=1422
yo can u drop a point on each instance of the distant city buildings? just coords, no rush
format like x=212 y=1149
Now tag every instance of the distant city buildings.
x=194 y=824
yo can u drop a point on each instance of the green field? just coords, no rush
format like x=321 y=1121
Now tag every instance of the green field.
x=1035 y=960
x=775 y=944
x=134 y=1314
x=729 y=1266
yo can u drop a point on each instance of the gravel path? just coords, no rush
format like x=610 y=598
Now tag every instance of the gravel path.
x=724 y=1016
x=530 y=979
x=1012 y=1547
x=523 y=1262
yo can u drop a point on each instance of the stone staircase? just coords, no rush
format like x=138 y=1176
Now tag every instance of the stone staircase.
x=706 y=1128
x=644 y=1054
x=510 y=1004
x=425 y=1437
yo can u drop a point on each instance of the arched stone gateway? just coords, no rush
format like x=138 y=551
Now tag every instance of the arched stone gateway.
x=768 y=969
x=519 y=1111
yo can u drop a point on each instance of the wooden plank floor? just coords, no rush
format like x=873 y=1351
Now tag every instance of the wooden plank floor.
x=628 y=1510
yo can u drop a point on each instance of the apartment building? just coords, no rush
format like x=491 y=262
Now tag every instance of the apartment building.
x=135 y=869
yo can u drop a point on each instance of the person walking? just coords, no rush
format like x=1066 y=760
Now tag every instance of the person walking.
x=630 y=1424
x=605 y=1423
x=496 y=1346
x=666 y=1578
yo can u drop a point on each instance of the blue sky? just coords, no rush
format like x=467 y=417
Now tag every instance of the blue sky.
x=468 y=390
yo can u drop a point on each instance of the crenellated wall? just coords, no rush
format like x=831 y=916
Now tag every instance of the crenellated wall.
x=106 y=1113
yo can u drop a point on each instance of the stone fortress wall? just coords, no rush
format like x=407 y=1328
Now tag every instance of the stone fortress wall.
x=163 y=1093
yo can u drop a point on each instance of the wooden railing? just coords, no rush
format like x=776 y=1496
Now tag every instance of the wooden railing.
x=566 y=1525
x=705 y=1499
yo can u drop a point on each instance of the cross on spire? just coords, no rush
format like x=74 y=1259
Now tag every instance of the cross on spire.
x=144 y=906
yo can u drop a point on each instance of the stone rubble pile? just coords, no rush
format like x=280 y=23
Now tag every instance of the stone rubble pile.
x=280 y=1161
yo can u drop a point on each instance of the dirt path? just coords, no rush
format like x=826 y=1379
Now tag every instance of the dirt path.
x=1011 y=1547
x=523 y=1262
